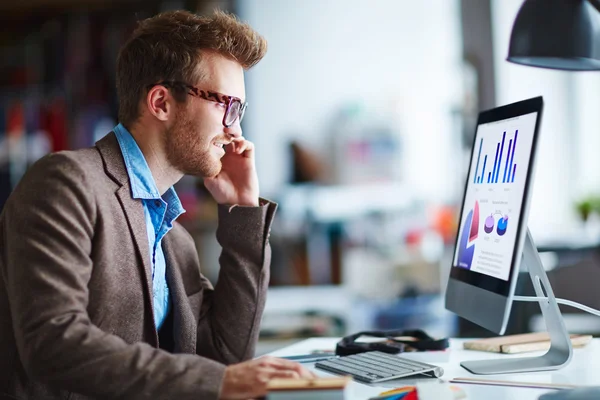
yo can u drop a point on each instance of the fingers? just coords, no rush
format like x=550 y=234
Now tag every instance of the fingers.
x=242 y=147
x=296 y=367
x=276 y=373
x=278 y=363
x=250 y=379
x=287 y=365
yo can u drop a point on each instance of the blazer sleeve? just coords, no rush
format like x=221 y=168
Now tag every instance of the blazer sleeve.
x=230 y=315
x=49 y=227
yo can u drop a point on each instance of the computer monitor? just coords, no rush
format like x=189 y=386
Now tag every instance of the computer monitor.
x=493 y=236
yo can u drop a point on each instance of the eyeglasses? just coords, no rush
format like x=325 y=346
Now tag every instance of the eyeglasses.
x=234 y=107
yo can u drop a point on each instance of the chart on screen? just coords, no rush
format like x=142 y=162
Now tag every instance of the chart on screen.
x=494 y=198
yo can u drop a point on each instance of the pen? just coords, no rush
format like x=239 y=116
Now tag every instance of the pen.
x=537 y=385
x=310 y=358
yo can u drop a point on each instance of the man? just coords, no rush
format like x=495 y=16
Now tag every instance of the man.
x=101 y=294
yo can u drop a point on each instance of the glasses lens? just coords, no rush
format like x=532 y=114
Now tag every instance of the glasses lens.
x=243 y=111
x=233 y=113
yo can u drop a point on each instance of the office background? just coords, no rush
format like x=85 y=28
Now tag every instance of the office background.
x=363 y=115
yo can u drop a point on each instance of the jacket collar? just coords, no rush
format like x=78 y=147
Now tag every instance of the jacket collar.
x=114 y=164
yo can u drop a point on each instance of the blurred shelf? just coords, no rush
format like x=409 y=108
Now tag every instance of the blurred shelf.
x=576 y=242
x=310 y=211
x=356 y=313
x=294 y=299
x=26 y=7
x=344 y=202
x=36 y=5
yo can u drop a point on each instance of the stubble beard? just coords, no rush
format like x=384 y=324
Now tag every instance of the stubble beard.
x=188 y=151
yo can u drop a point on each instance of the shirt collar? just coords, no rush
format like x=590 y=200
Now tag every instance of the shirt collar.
x=141 y=180
x=140 y=177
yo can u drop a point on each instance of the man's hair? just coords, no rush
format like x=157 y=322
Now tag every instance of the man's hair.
x=168 y=47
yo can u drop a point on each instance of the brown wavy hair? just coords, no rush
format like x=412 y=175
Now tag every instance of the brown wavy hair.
x=169 y=47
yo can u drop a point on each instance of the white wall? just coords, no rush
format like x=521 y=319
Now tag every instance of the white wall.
x=551 y=209
x=586 y=169
x=324 y=52
x=568 y=165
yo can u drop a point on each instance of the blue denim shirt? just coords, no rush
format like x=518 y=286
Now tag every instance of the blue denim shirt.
x=160 y=213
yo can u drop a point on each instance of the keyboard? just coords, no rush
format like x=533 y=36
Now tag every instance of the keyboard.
x=376 y=366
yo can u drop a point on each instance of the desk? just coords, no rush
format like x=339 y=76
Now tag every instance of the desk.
x=584 y=369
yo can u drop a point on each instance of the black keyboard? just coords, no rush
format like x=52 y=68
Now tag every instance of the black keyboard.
x=376 y=366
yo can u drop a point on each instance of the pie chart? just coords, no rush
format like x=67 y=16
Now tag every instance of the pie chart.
x=468 y=238
x=502 y=224
x=489 y=224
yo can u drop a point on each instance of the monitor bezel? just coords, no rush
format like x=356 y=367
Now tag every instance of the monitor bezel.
x=492 y=284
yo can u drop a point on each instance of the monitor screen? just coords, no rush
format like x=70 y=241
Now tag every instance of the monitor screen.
x=494 y=196
x=493 y=220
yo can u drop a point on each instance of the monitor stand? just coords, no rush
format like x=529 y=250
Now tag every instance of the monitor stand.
x=561 y=349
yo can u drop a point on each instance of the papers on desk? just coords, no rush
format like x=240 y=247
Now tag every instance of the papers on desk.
x=308 y=389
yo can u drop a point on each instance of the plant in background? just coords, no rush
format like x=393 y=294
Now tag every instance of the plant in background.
x=588 y=205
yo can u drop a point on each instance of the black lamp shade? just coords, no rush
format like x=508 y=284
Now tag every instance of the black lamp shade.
x=556 y=34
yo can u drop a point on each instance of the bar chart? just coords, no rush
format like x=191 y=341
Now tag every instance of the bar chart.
x=504 y=168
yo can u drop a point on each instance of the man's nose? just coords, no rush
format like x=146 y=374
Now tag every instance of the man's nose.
x=235 y=130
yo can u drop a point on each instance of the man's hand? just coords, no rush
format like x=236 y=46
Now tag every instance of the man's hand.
x=237 y=183
x=249 y=379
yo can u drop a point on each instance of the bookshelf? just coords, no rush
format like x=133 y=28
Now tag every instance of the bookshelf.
x=57 y=74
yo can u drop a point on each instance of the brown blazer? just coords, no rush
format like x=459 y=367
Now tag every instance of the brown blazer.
x=76 y=315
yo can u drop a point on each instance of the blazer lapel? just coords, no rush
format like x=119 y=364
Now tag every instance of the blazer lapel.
x=134 y=213
x=184 y=323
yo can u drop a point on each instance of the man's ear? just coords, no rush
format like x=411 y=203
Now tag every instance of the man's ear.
x=159 y=102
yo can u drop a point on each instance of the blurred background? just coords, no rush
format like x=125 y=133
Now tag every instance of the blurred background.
x=363 y=114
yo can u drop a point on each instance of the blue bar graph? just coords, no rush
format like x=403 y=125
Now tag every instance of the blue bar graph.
x=507 y=159
x=501 y=158
x=477 y=167
x=512 y=157
x=483 y=172
x=495 y=163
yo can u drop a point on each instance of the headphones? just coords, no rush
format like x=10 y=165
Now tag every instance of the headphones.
x=415 y=340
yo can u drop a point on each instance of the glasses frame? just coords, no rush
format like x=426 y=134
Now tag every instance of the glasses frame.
x=227 y=101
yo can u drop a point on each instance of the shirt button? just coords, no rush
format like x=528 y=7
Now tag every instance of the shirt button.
x=157 y=203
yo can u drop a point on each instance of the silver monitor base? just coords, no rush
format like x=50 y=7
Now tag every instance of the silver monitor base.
x=561 y=350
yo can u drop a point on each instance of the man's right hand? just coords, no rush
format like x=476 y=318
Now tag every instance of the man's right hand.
x=249 y=379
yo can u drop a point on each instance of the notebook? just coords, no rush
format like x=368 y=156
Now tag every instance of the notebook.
x=308 y=389
x=512 y=344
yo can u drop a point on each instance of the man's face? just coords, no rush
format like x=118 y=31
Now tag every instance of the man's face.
x=195 y=141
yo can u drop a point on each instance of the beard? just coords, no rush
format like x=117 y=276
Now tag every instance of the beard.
x=189 y=151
